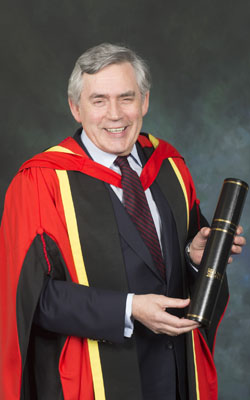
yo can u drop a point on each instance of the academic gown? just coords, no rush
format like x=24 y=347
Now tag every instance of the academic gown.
x=62 y=223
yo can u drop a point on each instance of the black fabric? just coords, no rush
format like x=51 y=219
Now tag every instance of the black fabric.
x=77 y=137
x=194 y=223
x=221 y=304
x=40 y=349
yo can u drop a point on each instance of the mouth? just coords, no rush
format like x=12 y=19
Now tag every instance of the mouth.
x=116 y=130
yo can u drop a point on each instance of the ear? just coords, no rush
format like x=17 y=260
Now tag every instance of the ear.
x=145 y=104
x=74 y=108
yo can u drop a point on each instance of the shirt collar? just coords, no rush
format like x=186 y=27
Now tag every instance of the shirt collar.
x=103 y=158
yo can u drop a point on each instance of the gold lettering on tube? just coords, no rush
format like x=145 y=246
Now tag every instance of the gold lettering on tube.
x=212 y=274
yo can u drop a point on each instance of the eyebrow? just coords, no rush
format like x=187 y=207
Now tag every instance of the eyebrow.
x=97 y=96
x=129 y=93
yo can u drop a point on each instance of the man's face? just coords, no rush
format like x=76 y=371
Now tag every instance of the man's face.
x=111 y=108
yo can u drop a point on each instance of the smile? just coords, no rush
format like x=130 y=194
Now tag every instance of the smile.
x=116 y=130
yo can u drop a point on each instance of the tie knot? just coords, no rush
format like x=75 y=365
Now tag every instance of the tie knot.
x=122 y=162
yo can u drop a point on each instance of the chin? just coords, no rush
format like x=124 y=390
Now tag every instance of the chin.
x=119 y=150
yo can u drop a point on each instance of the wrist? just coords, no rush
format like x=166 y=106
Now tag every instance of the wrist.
x=189 y=255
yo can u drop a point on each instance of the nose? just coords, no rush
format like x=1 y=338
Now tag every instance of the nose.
x=114 y=111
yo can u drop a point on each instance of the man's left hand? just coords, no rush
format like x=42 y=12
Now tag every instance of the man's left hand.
x=199 y=242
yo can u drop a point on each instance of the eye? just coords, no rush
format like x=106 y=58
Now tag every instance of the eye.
x=127 y=99
x=98 y=102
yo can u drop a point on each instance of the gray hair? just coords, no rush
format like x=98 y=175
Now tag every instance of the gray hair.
x=99 y=57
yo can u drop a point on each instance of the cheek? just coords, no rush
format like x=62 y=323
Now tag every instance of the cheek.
x=93 y=116
x=136 y=118
x=135 y=114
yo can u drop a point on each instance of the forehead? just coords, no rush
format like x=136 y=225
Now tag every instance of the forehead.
x=114 y=78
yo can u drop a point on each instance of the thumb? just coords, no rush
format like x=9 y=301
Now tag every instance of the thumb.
x=205 y=231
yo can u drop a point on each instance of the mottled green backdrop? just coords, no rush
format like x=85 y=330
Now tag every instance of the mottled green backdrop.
x=199 y=53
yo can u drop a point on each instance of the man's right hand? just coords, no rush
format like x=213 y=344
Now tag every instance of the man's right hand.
x=150 y=310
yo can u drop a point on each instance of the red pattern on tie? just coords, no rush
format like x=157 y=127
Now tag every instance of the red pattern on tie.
x=137 y=206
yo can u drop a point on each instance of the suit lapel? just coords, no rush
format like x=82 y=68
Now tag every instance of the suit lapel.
x=170 y=206
x=166 y=228
x=177 y=207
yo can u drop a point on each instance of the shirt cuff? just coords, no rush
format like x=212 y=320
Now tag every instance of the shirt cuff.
x=188 y=258
x=129 y=323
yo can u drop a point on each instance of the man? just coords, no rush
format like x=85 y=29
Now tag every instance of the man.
x=95 y=284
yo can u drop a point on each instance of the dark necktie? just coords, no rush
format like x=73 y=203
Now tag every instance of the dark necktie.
x=137 y=206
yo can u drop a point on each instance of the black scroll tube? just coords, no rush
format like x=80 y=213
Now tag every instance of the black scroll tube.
x=217 y=251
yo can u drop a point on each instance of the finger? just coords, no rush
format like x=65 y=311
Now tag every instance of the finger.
x=240 y=240
x=236 y=249
x=184 y=330
x=239 y=230
x=176 y=323
x=171 y=302
x=176 y=326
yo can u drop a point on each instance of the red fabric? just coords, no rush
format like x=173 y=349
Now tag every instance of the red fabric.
x=45 y=252
x=33 y=189
x=144 y=141
x=75 y=371
x=221 y=318
x=73 y=162
x=150 y=171
x=82 y=163
x=207 y=376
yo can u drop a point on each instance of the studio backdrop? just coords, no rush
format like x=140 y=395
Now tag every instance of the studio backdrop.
x=199 y=55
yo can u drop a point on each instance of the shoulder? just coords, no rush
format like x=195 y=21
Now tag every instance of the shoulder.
x=162 y=151
x=147 y=140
